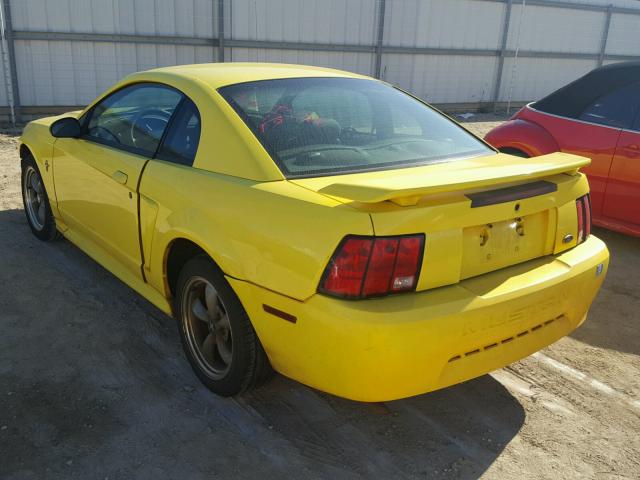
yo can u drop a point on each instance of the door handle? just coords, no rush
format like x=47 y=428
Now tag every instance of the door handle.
x=120 y=177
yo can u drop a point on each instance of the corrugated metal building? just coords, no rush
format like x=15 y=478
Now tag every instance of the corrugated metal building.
x=458 y=53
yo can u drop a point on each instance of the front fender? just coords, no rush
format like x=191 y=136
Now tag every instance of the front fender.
x=523 y=135
x=37 y=138
x=39 y=142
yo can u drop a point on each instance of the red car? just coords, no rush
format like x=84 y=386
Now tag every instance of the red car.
x=597 y=116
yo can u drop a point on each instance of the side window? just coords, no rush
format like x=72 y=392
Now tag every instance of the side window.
x=181 y=141
x=615 y=109
x=133 y=118
x=636 y=124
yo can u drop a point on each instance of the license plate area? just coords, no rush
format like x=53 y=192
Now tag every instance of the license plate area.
x=500 y=244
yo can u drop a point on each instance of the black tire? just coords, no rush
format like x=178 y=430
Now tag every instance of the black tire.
x=45 y=229
x=249 y=365
x=515 y=152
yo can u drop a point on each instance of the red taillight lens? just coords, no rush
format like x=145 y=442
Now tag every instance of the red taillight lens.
x=587 y=216
x=407 y=269
x=583 y=209
x=383 y=259
x=346 y=270
x=372 y=266
x=580 y=211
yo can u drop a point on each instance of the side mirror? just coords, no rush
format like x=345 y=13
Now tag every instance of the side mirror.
x=67 y=127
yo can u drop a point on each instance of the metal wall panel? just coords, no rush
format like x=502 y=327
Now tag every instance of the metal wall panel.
x=351 y=61
x=443 y=23
x=3 y=88
x=555 y=29
x=193 y=18
x=624 y=35
x=531 y=78
x=74 y=73
x=600 y=3
x=440 y=78
x=72 y=70
x=321 y=21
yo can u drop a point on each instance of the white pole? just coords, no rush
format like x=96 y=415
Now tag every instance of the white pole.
x=515 y=57
x=6 y=67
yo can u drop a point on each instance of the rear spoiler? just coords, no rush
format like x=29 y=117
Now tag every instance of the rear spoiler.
x=406 y=189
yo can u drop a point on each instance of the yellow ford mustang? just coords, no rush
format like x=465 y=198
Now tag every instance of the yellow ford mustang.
x=319 y=222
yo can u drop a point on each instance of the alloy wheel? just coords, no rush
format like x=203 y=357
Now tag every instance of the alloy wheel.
x=34 y=198
x=207 y=326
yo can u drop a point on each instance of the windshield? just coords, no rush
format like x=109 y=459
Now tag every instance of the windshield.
x=328 y=126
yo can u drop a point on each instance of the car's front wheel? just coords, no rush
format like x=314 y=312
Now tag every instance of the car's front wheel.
x=36 y=202
x=218 y=338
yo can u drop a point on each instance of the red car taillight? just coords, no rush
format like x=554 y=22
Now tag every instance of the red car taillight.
x=583 y=208
x=364 y=267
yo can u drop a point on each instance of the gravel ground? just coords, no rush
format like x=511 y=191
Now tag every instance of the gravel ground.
x=93 y=384
x=481 y=123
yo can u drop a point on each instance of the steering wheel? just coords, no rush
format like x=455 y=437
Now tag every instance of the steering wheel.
x=147 y=127
x=349 y=134
x=101 y=132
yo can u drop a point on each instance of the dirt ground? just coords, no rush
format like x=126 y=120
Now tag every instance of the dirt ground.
x=93 y=384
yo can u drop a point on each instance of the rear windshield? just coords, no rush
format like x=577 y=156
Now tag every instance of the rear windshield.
x=329 y=126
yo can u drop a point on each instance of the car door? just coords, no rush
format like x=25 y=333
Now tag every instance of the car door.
x=96 y=176
x=622 y=200
x=157 y=190
x=602 y=123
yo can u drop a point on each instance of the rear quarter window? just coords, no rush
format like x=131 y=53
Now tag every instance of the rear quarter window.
x=181 y=140
x=616 y=109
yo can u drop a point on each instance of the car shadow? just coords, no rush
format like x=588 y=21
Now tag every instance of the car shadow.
x=610 y=323
x=457 y=432
x=94 y=383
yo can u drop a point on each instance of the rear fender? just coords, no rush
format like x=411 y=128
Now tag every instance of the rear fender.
x=523 y=135
x=277 y=235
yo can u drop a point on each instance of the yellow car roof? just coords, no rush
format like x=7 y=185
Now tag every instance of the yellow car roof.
x=219 y=75
x=225 y=135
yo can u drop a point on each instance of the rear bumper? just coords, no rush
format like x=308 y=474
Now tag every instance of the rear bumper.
x=404 y=345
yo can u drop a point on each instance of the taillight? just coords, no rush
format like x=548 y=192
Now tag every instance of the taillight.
x=583 y=209
x=364 y=267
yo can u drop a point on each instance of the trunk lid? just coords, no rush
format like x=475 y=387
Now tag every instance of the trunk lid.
x=478 y=215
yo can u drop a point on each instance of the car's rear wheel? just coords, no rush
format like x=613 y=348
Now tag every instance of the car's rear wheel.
x=515 y=152
x=218 y=338
x=36 y=202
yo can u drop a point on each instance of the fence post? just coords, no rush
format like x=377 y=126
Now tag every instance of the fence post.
x=220 y=30
x=605 y=35
x=14 y=92
x=379 y=38
x=503 y=49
